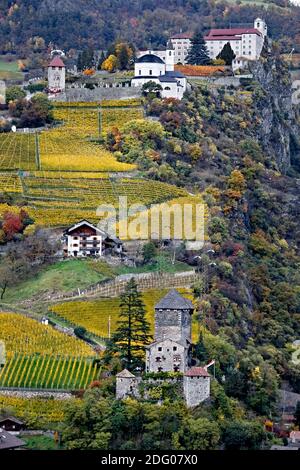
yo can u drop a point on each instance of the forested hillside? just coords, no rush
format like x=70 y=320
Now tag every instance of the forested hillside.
x=98 y=23
x=250 y=294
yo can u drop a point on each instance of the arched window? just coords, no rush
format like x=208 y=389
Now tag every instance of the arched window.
x=167 y=88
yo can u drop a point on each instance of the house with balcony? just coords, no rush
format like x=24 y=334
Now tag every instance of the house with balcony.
x=87 y=240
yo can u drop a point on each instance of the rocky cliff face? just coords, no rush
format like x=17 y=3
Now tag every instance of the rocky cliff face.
x=279 y=119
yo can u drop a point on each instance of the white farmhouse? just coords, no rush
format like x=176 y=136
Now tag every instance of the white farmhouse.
x=150 y=67
x=56 y=75
x=246 y=43
x=85 y=239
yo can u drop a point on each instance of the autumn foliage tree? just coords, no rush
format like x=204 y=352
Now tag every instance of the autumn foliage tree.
x=13 y=224
x=110 y=64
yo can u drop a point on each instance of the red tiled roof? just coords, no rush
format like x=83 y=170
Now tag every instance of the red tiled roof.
x=56 y=62
x=197 y=372
x=222 y=38
x=182 y=36
x=231 y=33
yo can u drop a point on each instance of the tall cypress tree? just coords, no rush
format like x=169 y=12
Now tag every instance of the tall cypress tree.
x=132 y=334
x=227 y=54
x=198 y=53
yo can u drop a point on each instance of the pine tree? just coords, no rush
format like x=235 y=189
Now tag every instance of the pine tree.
x=123 y=57
x=200 y=349
x=132 y=334
x=198 y=53
x=227 y=54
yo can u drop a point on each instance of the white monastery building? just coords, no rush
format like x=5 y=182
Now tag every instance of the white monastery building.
x=246 y=43
x=56 y=75
x=181 y=43
x=151 y=67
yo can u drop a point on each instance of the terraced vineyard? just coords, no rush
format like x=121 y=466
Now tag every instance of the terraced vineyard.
x=65 y=175
x=40 y=357
x=95 y=315
x=41 y=191
x=67 y=146
x=54 y=201
x=17 y=151
x=27 y=336
x=35 y=409
x=48 y=372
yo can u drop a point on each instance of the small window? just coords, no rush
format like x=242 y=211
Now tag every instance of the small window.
x=140 y=72
x=158 y=359
x=170 y=53
x=150 y=72
x=174 y=348
x=159 y=348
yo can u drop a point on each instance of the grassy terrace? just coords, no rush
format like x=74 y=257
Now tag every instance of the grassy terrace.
x=63 y=276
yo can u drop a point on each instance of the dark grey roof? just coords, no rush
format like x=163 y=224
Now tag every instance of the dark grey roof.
x=125 y=374
x=149 y=58
x=164 y=78
x=150 y=77
x=175 y=73
x=10 y=418
x=173 y=300
x=9 y=441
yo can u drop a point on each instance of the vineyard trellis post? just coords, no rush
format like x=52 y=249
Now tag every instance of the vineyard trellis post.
x=37 y=151
x=99 y=122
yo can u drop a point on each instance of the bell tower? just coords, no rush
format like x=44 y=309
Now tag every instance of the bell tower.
x=261 y=26
x=170 y=57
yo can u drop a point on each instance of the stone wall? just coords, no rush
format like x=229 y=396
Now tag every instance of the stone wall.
x=30 y=394
x=194 y=390
x=99 y=93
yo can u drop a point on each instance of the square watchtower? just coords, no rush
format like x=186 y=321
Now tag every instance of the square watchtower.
x=173 y=318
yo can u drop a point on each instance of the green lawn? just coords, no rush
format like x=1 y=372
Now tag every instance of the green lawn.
x=9 y=70
x=8 y=66
x=69 y=275
x=40 y=443
x=63 y=276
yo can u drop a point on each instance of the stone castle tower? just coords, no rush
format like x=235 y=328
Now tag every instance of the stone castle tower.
x=170 y=352
x=56 y=75
x=173 y=318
